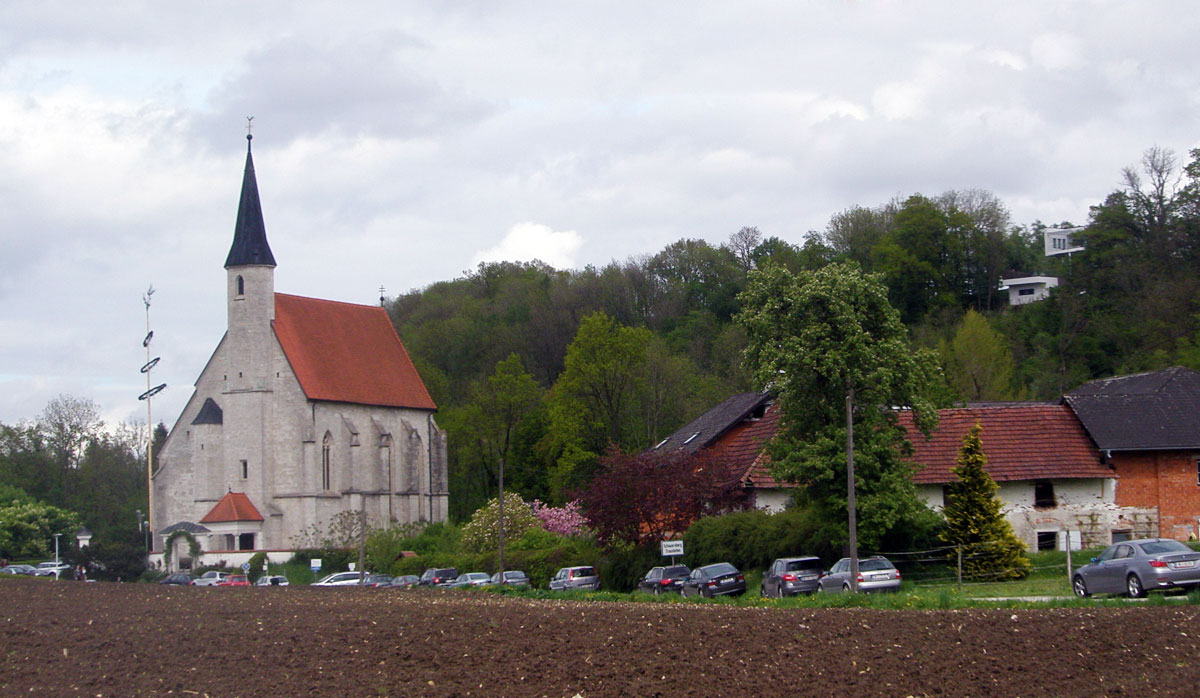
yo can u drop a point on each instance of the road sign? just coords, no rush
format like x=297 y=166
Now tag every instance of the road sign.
x=672 y=547
x=245 y=566
x=314 y=564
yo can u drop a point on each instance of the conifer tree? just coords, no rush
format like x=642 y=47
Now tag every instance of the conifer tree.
x=974 y=521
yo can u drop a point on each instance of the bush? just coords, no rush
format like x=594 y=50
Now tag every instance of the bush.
x=258 y=562
x=332 y=560
x=482 y=531
x=752 y=539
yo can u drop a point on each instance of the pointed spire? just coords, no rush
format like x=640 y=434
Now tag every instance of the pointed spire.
x=250 y=235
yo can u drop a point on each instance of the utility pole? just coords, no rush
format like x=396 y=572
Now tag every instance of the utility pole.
x=850 y=505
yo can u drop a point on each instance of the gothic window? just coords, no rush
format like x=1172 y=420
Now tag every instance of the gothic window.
x=241 y=286
x=245 y=470
x=326 y=456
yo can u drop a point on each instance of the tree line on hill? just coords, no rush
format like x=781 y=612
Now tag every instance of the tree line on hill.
x=626 y=353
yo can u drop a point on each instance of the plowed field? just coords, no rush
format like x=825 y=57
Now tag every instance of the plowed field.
x=68 y=639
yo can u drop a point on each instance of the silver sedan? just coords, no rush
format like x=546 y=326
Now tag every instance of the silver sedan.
x=1136 y=566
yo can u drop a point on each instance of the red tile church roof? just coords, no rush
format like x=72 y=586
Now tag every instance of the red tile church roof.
x=343 y=352
x=234 y=506
x=1022 y=442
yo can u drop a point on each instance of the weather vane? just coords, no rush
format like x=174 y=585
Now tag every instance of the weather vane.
x=382 y=300
x=249 y=127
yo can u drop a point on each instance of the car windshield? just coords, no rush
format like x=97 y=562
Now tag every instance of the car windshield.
x=677 y=571
x=478 y=575
x=1158 y=547
x=809 y=564
x=514 y=575
x=720 y=568
x=874 y=565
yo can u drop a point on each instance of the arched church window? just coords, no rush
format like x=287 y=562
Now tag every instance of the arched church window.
x=241 y=286
x=326 y=457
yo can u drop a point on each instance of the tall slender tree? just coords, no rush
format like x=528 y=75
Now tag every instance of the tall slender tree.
x=975 y=523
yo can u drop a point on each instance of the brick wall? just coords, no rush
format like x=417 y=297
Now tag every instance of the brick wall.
x=1165 y=480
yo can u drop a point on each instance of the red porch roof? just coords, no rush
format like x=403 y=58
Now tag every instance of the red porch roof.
x=343 y=352
x=234 y=506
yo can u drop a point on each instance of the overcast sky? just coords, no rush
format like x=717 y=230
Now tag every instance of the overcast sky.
x=400 y=144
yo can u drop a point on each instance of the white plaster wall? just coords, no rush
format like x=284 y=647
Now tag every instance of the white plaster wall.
x=772 y=500
x=1084 y=505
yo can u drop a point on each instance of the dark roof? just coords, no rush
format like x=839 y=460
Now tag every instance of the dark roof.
x=249 y=234
x=708 y=427
x=1153 y=411
x=343 y=352
x=184 y=526
x=1022 y=441
x=210 y=413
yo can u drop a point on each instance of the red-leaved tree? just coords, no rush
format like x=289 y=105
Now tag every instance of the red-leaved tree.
x=647 y=497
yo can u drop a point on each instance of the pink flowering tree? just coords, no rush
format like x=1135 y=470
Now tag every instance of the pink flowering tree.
x=563 y=521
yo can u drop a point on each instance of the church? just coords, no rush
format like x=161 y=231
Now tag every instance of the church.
x=307 y=408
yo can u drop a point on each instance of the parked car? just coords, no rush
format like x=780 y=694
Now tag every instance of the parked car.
x=51 y=569
x=512 y=578
x=18 y=569
x=720 y=579
x=405 y=581
x=234 y=580
x=437 y=576
x=573 y=578
x=338 y=579
x=1136 y=566
x=789 y=576
x=469 y=579
x=210 y=578
x=182 y=579
x=271 y=580
x=668 y=579
x=376 y=581
x=874 y=574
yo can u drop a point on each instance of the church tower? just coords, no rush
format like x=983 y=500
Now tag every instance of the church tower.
x=250 y=347
x=250 y=275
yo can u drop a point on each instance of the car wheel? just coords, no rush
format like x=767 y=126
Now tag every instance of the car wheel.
x=1134 y=586
x=1080 y=587
x=820 y=589
x=762 y=591
x=658 y=591
x=846 y=588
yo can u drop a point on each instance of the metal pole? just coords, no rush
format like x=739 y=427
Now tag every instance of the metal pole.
x=959 y=549
x=500 y=562
x=850 y=504
x=149 y=432
x=56 y=570
x=1070 y=574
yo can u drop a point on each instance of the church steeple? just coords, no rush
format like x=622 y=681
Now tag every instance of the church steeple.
x=250 y=246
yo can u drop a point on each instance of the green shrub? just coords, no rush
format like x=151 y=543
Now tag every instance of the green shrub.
x=257 y=563
x=752 y=539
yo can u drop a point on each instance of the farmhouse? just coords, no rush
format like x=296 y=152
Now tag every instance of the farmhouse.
x=1147 y=427
x=306 y=410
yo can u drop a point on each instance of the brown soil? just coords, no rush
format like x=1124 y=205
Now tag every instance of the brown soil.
x=66 y=639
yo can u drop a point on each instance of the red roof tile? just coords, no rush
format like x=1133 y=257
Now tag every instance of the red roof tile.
x=743 y=449
x=234 y=506
x=1021 y=441
x=343 y=352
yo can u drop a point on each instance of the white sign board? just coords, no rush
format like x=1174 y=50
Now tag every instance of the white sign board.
x=672 y=547
x=314 y=564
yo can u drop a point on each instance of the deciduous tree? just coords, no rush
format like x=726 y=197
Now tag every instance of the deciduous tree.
x=641 y=498
x=814 y=338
